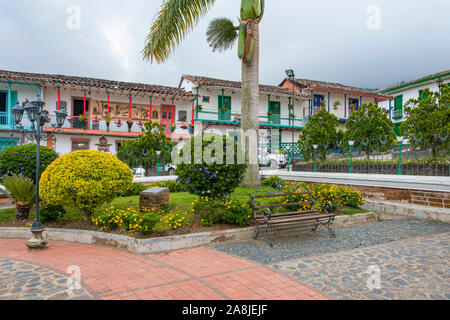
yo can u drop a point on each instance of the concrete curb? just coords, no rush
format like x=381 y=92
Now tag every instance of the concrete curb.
x=171 y=243
x=408 y=210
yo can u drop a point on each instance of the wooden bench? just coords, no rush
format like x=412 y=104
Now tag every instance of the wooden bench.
x=263 y=215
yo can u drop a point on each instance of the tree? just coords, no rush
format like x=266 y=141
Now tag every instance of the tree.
x=371 y=129
x=321 y=131
x=177 y=17
x=142 y=151
x=428 y=121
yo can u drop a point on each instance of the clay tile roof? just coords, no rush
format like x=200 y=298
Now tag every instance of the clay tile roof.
x=405 y=84
x=54 y=79
x=322 y=85
x=218 y=83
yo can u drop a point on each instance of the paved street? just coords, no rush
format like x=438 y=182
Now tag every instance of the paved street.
x=411 y=257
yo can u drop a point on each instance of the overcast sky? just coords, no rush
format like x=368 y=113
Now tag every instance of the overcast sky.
x=370 y=44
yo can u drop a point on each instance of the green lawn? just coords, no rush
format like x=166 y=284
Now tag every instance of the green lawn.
x=351 y=212
x=179 y=202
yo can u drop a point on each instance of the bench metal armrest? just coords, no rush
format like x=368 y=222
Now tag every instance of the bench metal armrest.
x=328 y=207
x=267 y=214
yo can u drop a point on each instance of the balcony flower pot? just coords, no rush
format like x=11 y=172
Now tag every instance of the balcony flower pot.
x=108 y=121
x=119 y=123
x=84 y=121
x=130 y=125
x=44 y=118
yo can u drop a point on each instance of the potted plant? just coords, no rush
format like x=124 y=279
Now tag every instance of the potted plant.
x=224 y=109
x=336 y=105
x=198 y=108
x=108 y=121
x=130 y=124
x=119 y=123
x=21 y=191
x=270 y=113
x=84 y=120
x=44 y=118
x=173 y=127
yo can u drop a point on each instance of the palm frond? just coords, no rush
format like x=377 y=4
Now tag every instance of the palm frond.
x=221 y=34
x=171 y=24
x=22 y=189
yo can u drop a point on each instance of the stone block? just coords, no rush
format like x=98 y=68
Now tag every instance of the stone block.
x=154 y=198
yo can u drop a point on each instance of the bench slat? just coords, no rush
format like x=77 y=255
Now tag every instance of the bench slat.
x=296 y=219
x=282 y=205
x=259 y=196
x=291 y=213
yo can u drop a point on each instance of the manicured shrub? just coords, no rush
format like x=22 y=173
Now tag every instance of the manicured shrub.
x=229 y=211
x=274 y=182
x=49 y=213
x=22 y=160
x=173 y=186
x=85 y=179
x=135 y=189
x=21 y=191
x=352 y=198
x=208 y=173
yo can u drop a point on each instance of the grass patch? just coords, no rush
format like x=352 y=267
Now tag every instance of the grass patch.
x=351 y=212
x=7 y=215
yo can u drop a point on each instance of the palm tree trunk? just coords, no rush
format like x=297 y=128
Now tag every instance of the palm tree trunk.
x=250 y=111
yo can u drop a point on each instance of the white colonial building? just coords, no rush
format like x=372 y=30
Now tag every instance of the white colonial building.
x=405 y=91
x=92 y=100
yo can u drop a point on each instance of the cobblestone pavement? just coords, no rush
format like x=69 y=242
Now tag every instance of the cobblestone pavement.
x=193 y=274
x=25 y=281
x=411 y=269
x=348 y=238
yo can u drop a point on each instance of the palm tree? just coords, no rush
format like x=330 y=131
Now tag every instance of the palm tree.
x=177 y=17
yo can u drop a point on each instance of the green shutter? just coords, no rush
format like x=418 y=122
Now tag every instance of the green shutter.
x=398 y=108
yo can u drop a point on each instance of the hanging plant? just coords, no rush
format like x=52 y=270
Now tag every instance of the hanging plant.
x=108 y=118
x=130 y=125
x=199 y=108
x=292 y=116
x=224 y=109
x=44 y=118
x=270 y=113
x=336 y=105
x=84 y=120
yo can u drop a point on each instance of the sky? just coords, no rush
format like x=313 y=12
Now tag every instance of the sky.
x=368 y=44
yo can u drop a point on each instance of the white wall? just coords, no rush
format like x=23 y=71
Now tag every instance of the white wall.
x=411 y=92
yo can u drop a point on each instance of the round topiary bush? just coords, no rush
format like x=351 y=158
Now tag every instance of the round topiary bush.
x=212 y=166
x=22 y=160
x=85 y=179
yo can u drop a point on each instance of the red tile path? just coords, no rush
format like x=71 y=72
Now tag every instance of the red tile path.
x=193 y=274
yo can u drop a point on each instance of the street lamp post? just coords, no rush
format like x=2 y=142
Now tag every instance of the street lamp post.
x=351 y=144
x=158 y=153
x=290 y=73
x=38 y=117
x=315 y=146
x=439 y=83
x=400 y=143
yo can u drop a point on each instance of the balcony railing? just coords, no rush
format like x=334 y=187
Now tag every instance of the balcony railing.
x=273 y=120
x=397 y=114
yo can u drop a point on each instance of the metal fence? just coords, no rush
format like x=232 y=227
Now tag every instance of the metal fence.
x=406 y=156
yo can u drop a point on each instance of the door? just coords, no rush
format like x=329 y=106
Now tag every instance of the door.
x=5 y=110
x=225 y=108
x=166 y=119
x=78 y=110
x=275 y=109
x=318 y=102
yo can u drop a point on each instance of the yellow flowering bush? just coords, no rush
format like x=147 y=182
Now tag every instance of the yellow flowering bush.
x=128 y=219
x=85 y=179
x=323 y=194
x=173 y=221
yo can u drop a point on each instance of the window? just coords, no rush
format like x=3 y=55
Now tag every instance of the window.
x=205 y=99
x=80 y=145
x=155 y=114
x=182 y=116
x=353 y=105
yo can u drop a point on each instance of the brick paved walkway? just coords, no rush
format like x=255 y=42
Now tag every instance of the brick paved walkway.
x=106 y=273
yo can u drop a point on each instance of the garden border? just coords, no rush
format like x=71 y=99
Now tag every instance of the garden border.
x=171 y=243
